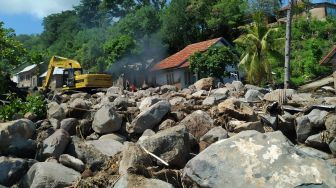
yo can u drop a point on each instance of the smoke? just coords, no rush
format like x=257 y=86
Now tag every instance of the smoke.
x=135 y=67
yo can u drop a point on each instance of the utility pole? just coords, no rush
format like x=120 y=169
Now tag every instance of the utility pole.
x=288 y=43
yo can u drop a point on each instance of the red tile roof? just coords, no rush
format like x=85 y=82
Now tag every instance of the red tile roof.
x=179 y=59
x=328 y=57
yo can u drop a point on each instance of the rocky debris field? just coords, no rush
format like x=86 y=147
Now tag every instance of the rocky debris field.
x=203 y=136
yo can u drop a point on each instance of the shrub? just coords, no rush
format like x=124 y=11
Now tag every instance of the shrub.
x=34 y=103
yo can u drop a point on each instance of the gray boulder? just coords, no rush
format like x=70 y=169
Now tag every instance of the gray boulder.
x=72 y=162
x=317 y=141
x=149 y=118
x=253 y=159
x=198 y=123
x=317 y=117
x=85 y=152
x=55 y=144
x=172 y=145
x=107 y=147
x=114 y=91
x=166 y=124
x=132 y=180
x=15 y=138
x=234 y=108
x=106 y=120
x=133 y=155
x=200 y=93
x=78 y=108
x=205 y=83
x=312 y=152
x=147 y=102
x=253 y=96
x=209 y=101
x=303 y=128
x=279 y=95
x=238 y=85
x=55 y=111
x=121 y=103
x=332 y=146
x=215 y=134
x=69 y=125
x=48 y=174
x=12 y=170
x=177 y=101
x=55 y=123
x=147 y=133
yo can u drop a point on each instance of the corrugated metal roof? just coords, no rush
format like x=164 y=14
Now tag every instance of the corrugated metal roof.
x=57 y=71
x=28 y=68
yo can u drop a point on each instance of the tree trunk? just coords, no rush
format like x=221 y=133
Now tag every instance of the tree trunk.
x=288 y=44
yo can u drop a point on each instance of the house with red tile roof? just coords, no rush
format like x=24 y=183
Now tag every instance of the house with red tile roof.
x=174 y=70
x=330 y=60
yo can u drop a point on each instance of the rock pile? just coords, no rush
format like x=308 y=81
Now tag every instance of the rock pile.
x=202 y=136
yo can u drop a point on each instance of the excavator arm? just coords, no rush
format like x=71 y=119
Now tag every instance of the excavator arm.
x=60 y=62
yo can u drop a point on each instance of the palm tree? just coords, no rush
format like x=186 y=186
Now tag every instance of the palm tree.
x=259 y=44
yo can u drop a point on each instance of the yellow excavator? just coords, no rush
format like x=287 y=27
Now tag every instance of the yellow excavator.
x=73 y=77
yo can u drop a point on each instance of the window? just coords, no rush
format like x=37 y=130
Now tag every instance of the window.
x=170 y=78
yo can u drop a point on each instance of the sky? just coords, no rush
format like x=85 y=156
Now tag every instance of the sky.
x=26 y=16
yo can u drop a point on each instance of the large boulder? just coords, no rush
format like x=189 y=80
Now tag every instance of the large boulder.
x=147 y=102
x=238 y=86
x=205 y=83
x=49 y=174
x=85 y=152
x=106 y=120
x=253 y=159
x=172 y=145
x=55 y=111
x=149 y=118
x=198 y=123
x=79 y=108
x=235 y=109
x=279 y=95
x=69 y=125
x=55 y=144
x=12 y=170
x=132 y=180
x=15 y=138
x=133 y=155
x=253 y=95
x=317 y=117
x=114 y=91
x=108 y=147
x=121 y=103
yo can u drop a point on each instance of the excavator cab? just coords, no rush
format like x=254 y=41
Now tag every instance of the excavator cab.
x=69 y=76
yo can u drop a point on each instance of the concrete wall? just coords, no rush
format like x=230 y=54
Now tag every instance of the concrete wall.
x=27 y=79
x=178 y=75
x=318 y=13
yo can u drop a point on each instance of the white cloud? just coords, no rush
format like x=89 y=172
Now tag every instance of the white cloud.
x=37 y=8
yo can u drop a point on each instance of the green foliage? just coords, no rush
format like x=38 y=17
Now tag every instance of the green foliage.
x=259 y=44
x=213 y=61
x=117 y=47
x=312 y=40
x=12 y=52
x=33 y=103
